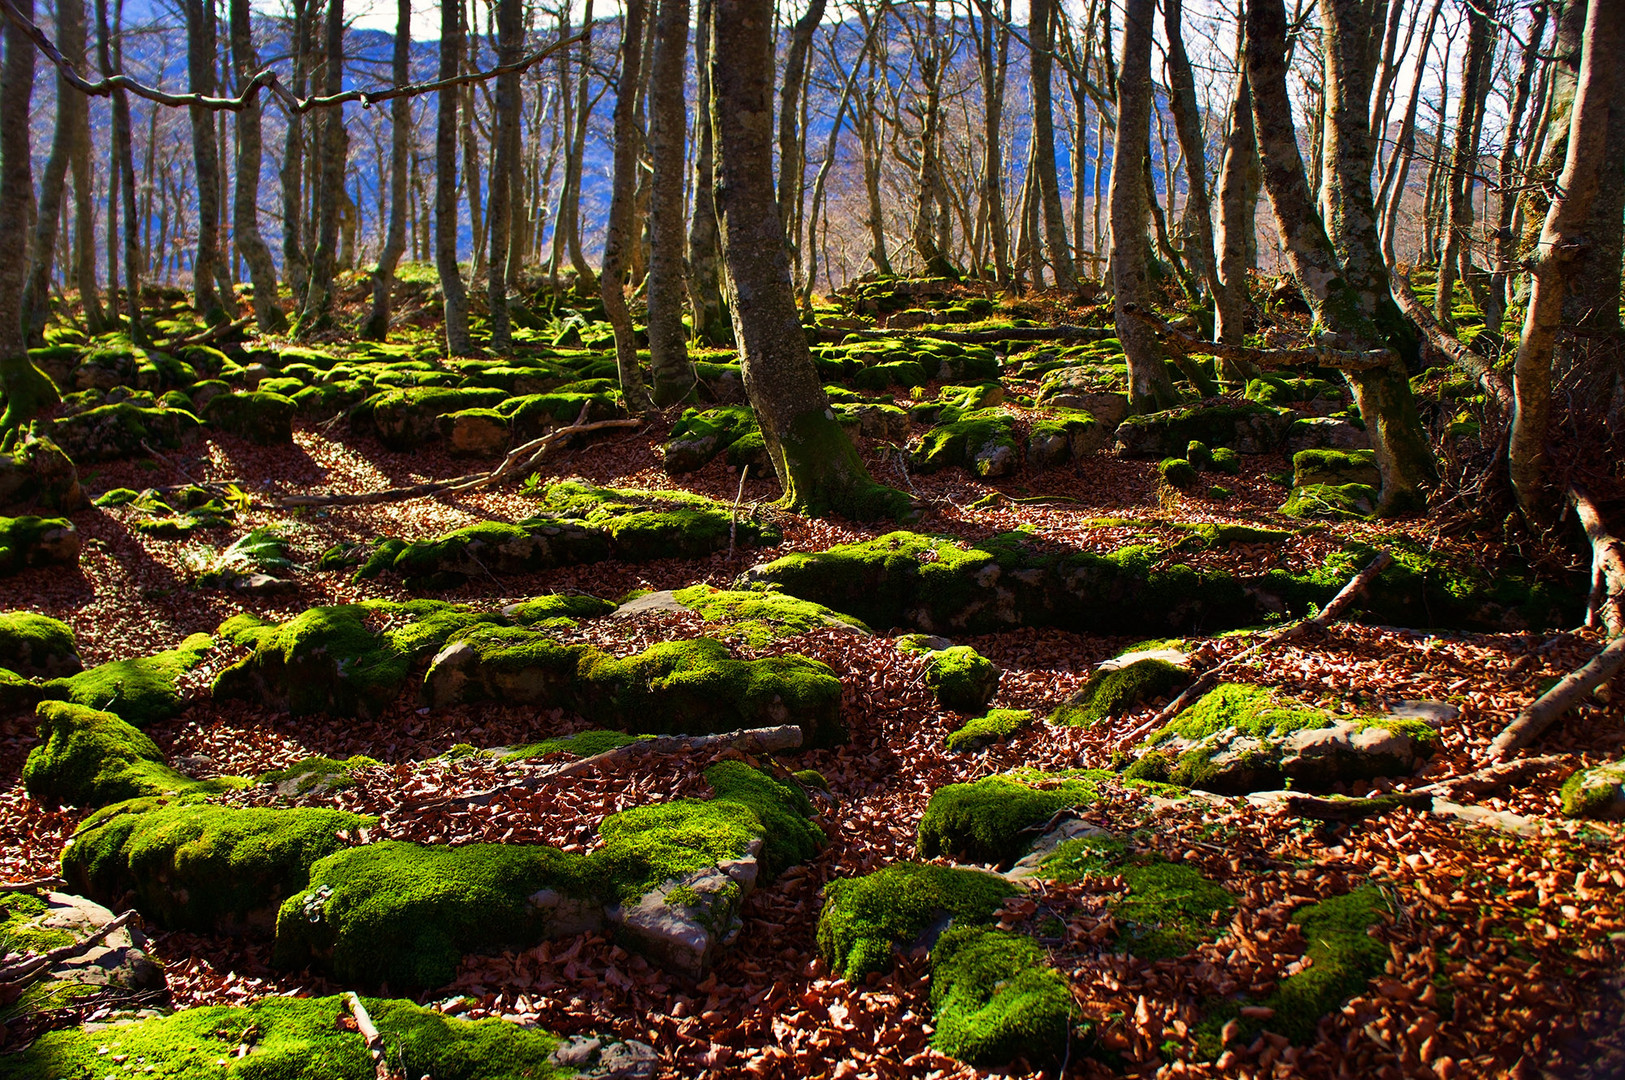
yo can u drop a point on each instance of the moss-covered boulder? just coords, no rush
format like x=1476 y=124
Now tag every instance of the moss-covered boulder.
x=261 y=417
x=1324 y=433
x=997 y=726
x=982 y=441
x=962 y=679
x=296 y=1039
x=314 y=777
x=700 y=435
x=141 y=691
x=644 y=525
x=36 y=475
x=1247 y=428
x=760 y=616
x=17 y=694
x=994 y=820
x=346 y=660
x=404 y=419
x=1063 y=436
x=532 y=415
x=1239 y=738
x=90 y=758
x=116 y=971
x=873 y=420
x=34 y=644
x=201 y=866
x=117 y=431
x=1124 y=684
x=995 y=998
x=899 y=906
x=488 y=548
x=1597 y=792
x=1334 y=502
x=676 y=687
x=545 y=610
x=476 y=432
x=1336 y=468
x=35 y=541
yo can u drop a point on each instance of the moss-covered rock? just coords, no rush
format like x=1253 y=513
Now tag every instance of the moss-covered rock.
x=1332 y=501
x=700 y=435
x=644 y=525
x=34 y=644
x=995 y=998
x=994 y=820
x=676 y=687
x=543 y=609
x=982 y=441
x=142 y=691
x=347 y=660
x=1335 y=468
x=996 y=727
x=36 y=474
x=487 y=548
x=1247 y=428
x=1064 y=435
x=314 y=776
x=201 y=866
x=865 y=918
x=580 y=745
x=1114 y=691
x=405 y=419
x=1177 y=471
x=1168 y=909
x=90 y=758
x=282 y=1038
x=475 y=432
x=962 y=679
x=118 y=430
x=261 y=417
x=533 y=415
x=1597 y=792
x=758 y=617
x=35 y=541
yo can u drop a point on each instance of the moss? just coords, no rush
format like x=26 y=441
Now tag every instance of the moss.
x=200 y=866
x=557 y=606
x=995 y=819
x=1177 y=471
x=1225 y=460
x=405 y=419
x=313 y=773
x=35 y=541
x=1335 y=468
x=962 y=679
x=92 y=758
x=998 y=726
x=294 y=1039
x=1597 y=792
x=1115 y=693
x=700 y=435
x=1219 y=534
x=583 y=744
x=645 y=525
x=994 y=999
x=1168 y=909
x=261 y=417
x=1198 y=454
x=117 y=497
x=968 y=440
x=760 y=617
x=864 y=918
x=810 y=780
x=19 y=932
x=142 y=691
x=35 y=644
x=1251 y=710
x=1170 y=432
x=1333 y=501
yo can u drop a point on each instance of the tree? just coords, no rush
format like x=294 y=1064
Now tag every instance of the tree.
x=1041 y=34
x=1193 y=143
x=295 y=266
x=816 y=463
x=671 y=373
x=400 y=149
x=201 y=47
x=318 y=310
x=1455 y=256
x=452 y=290
x=27 y=389
x=70 y=118
x=1235 y=223
x=245 y=205
x=510 y=18
x=711 y=324
x=623 y=192
x=1149 y=387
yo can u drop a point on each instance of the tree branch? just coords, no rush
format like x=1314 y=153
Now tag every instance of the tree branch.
x=1308 y=356
x=1464 y=357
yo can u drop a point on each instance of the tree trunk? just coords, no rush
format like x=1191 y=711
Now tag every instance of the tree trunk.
x=1561 y=241
x=1240 y=156
x=510 y=19
x=1344 y=307
x=1458 y=211
x=671 y=374
x=318 y=310
x=1040 y=32
x=618 y=236
x=400 y=148
x=294 y=265
x=993 y=44
x=455 y=294
x=1150 y=388
x=27 y=389
x=1199 y=250
x=816 y=463
x=879 y=258
x=567 y=229
x=124 y=174
x=1507 y=179
x=792 y=140
x=71 y=113
x=200 y=56
x=84 y=222
x=711 y=324
x=245 y=208
x=1399 y=166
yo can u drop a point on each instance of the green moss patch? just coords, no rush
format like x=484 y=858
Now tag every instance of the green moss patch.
x=995 y=998
x=142 y=691
x=19 y=931
x=759 y=617
x=39 y=645
x=645 y=525
x=583 y=744
x=865 y=918
x=700 y=435
x=1169 y=908
x=1116 y=692
x=1331 y=501
x=998 y=726
x=201 y=866
x=1335 y=467
x=962 y=679
x=316 y=775
x=293 y=1039
x=982 y=441
x=542 y=609
x=1598 y=792
x=995 y=819
x=1251 y=710
x=35 y=541
x=92 y=758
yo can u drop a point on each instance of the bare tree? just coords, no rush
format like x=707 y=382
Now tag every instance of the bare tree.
x=510 y=19
x=318 y=310
x=1199 y=251
x=711 y=325
x=295 y=265
x=670 y=372
x=245 y=207
x=452 y=290
x=400 y=149
x=27 y=389
x=618 y=236
x=1041 y=36
x=201 y=46
x=70 y=118
x=1455 y=255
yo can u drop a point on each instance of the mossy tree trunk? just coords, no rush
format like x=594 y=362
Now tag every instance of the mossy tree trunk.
x=618 y=236
x=505 y=149
x=1041 y=32
x=27 y=389
x=711 y=325
x=201 y=46
x=670 y=371
x=1240 y=156
x=376 y=326
x=318 y=310
x=245 y=204
x=1353 y=304
x=1150 y=388
x=815 y=461
x=452 y=289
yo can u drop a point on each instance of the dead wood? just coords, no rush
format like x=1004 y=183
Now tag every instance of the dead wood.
x=1307 y=356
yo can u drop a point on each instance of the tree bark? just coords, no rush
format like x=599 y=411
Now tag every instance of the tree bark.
x=112 y=57
x=295 y=267
x=71 y=115
x=816 y=462
x=671 y=373
x=993 y=51
x=1240 y=157
x=618 y=235
x=792 y=140
x=245 y=207
x=1150 y=388
x=510 y=18
x=452 y=289
x=1458 y=211
x=1561 y=241
x=201 y=46
x=1040 y=33
x=711 y=323
x=400 y=149
x=1199 y=249
x=1507 y=179
x=318 y=309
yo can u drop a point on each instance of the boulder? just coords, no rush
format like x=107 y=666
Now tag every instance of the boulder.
x=1245 y=427
x=37 y=474
x=39 y=645
x=261 y=417
x=982 y=441
x=1335 y=468
x=35 y=541
x=1324 y=433
x=1597 y=792
x=119 y=962
x=1064 y=436
x=475 y=432
x=116 y=431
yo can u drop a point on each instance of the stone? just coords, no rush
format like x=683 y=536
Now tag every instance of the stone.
x=1073 y=828
x=36 y=474
x=475 y=432
x=1246 y=428
x=261 y=417
x=1324 y=433
x=1436 y=713
x=1311 y=758
x=596 y=1058
x=120 y=961
x=682 y=923
x=35 y=541
x=1597 y=792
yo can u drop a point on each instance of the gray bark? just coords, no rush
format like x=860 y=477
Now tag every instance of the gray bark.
x=792 y=139
x=201 y=46
x=400 y=149
x=1199 y=249
x=452 y=289
x=26 y=388
x=1456 y=255
x=711 y=324
x=1041 y=34
x=245 y=207
x=71 y=116
x=295 y=266
x=1240 y=157
x=993 y=54
x=671 y=373
x=318 y=309
x=504 y=166
x=618 y=236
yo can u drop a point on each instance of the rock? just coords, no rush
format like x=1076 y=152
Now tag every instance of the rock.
x=1246 y=427
x=873 y=421
x=1331 y=501
x=1436 y=713
x=1073 y=829
x=1084 y=388
x=1597 y=792
x=261 y=417
x=35 y=541
x=701 y=434
x=475 y=432
x=912 y=319
x=117 y=431
x=37 y=474
x=1068 y=436
x=120 y=961
x=1123 y=684
x=682 y=923
x=1335 y=468
x=1323 y=433
x=38 y=645
x=406 y=419
x=981 y=441
x=598 y=1059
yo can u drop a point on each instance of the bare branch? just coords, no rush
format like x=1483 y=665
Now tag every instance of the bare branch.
x=1308 y=356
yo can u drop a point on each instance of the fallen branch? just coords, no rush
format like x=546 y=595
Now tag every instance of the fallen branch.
x=1339 y=603
x=1488 y=780
x=20 y=974
x=1464 y=357
x=369 y=1031
x=213 y=333
x=770 y=740
x=1307 y=356
x=1320 y=808
x=520 y=459
x=1062 y=332
x=34 y=885
x=1607 y=604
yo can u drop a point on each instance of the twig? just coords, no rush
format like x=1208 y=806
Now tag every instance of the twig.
x=1307 y=356
x=213 y=333
x=733 y=519
x=1574 y=688
x=1490 y=779
x=1466 y=358
x=1339 y=603
x=36 y=885
x=26 y=971
x=369 y=1031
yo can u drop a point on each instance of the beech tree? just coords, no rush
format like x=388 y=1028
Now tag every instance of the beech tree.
x=400 y=149
x=318 y=309
x=245 y=206
x=671 y=373
x=623 y=190
x=27 y=389
x=452 y=289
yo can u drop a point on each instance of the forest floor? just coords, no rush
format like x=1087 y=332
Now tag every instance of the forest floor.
x=1505 y=936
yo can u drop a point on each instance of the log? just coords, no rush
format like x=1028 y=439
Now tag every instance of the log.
x=1490 y=779
x=1307 y=356
x=23 y=972
x=1607 y=604
x=1339 y=603
x=1061 y=332
x=369 y=1031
